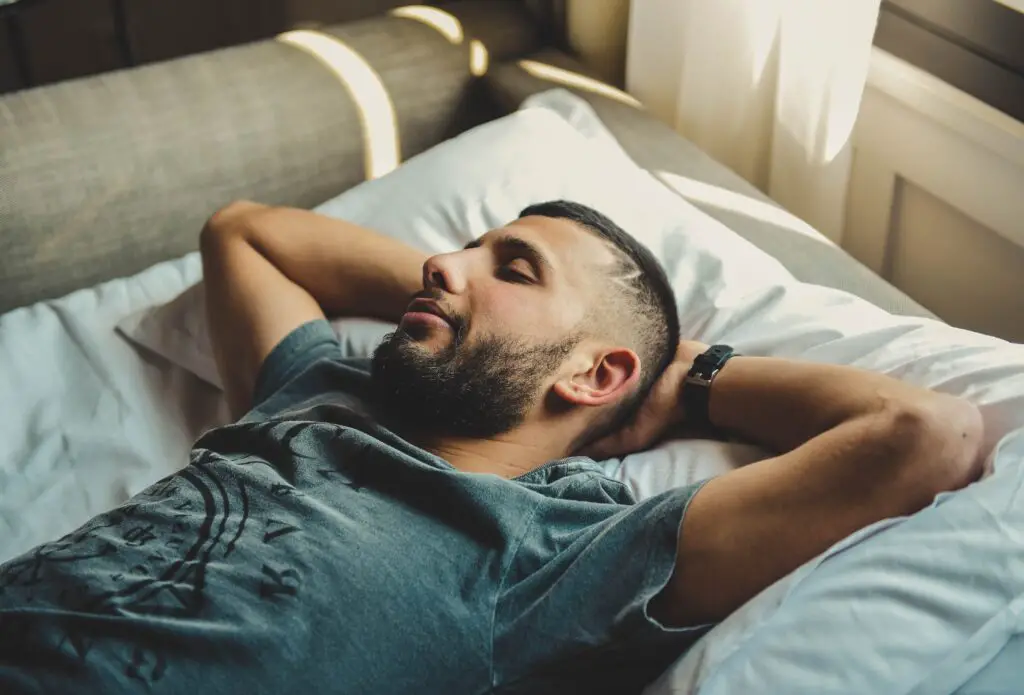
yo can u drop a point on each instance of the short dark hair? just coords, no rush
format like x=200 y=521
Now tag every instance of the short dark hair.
x=646 y=294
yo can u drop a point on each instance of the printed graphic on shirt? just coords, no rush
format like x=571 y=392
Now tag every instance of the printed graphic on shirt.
x=151 y=557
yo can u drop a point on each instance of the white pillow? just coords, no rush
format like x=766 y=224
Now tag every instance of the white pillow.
x=728 y=290
x=555 y=147
x=178 y=332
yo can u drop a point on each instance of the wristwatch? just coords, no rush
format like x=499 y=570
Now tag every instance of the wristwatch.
x=696 y=394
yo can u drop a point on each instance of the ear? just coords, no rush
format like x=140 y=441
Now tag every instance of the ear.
x=605 y=378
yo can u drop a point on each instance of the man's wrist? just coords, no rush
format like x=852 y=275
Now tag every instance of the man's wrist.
x=716 y=418
x=697 y=384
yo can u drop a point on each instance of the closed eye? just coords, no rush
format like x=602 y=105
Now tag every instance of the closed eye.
x=517 y=259
x=517 y=270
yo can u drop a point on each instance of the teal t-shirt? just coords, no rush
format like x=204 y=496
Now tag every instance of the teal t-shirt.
x=306 y=548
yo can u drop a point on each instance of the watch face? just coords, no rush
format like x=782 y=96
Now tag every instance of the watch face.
x=707 y=360
x=717 y=355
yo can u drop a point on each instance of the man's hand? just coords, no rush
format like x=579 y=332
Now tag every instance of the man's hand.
x=661 y=412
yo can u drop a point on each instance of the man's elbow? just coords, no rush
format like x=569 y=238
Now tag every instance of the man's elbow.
x=942 y=440
x=228 y=220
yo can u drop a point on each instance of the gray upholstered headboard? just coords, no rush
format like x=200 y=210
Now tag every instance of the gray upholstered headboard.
x=104 y=176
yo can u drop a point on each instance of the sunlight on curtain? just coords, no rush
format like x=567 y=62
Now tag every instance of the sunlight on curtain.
x=771 y=88
x=382 y=151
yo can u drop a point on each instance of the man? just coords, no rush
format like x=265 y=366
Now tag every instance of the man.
x=424 y=525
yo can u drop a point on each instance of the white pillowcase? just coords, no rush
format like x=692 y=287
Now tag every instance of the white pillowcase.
x=178 y=332
x=728 y=290
x=555 y=147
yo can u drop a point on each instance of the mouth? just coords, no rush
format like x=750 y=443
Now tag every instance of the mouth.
x=427 y=311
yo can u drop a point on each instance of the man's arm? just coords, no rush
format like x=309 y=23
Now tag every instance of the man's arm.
x=268 y=270
x=860 y=447
x=856 y=447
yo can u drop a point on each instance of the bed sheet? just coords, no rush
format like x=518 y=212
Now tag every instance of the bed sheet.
x=88 y=419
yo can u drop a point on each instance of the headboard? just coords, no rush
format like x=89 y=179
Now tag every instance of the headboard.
x=104 y=176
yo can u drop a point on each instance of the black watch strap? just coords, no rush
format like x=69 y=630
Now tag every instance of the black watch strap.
x=697 y=385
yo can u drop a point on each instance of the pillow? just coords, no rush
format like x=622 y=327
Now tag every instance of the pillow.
x=555 y=147
x=177 y=330
x=728 y=290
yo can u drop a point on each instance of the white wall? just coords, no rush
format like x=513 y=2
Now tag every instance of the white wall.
x=936 y=198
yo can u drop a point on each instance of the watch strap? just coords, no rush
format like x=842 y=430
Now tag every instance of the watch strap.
x=696 y=394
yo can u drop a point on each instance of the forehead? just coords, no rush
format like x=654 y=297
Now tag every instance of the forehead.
x=565 y=245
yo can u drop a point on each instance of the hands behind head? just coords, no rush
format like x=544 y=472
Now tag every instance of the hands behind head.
x=660 y=412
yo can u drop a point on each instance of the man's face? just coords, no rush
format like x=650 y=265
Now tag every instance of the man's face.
x=485 y=339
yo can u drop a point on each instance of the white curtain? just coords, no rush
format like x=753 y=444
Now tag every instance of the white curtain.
x=769 y=87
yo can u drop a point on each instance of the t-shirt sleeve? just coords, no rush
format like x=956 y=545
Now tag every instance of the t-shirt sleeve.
x=280 y=382
x=304 y=346
x=576 y=616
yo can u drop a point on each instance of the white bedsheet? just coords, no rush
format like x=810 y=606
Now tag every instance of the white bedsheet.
x=88 y=420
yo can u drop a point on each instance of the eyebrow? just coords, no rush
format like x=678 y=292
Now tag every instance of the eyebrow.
x=509 y=244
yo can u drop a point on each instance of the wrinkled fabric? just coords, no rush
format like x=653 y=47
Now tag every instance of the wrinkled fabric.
x=308 y=548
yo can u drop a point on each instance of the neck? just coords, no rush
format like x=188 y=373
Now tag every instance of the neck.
x=508 y=455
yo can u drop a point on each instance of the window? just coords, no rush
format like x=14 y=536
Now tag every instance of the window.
x=975 y=45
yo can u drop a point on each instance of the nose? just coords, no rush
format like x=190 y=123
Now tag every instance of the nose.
x=444 y=272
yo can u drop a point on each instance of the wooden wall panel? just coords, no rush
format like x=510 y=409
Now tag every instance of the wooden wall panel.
x=306 y=13
x=995 y=83
x=8 y=74
x=160 y=30
x=64 y=40
x=73 y=38
x=976 y=46
x=934 y=203
x=963 y=271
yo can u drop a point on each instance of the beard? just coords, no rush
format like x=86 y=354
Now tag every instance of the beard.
x=474 y=391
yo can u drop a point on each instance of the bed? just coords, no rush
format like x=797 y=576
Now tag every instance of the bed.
x=105 y=381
